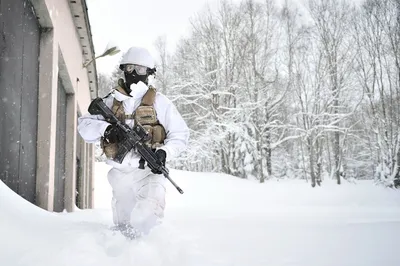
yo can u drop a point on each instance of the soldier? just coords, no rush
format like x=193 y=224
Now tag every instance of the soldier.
x=138 y=201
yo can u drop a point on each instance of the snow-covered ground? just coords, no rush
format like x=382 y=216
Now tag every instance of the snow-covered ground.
x=220 y=220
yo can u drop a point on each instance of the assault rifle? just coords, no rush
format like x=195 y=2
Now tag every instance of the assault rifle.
x=134 y=138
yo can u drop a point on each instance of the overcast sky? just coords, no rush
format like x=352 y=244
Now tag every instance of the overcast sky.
x=134 y=22
x=139 y=22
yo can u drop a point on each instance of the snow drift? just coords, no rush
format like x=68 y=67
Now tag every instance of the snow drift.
x=220 y=220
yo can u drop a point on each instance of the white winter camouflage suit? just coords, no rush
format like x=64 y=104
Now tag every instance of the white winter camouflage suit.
x=138 y=194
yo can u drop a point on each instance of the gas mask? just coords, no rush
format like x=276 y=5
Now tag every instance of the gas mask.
x=134 y=73
x=134 y=78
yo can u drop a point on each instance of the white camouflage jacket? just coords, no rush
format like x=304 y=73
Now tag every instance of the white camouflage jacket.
x=92 y=127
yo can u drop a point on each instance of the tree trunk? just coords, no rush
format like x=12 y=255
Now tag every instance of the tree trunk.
x=312 y=157
x=396 y=181
x=260 y=159
x=336 y=149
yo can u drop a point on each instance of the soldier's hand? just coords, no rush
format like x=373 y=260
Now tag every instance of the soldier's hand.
x=161 y=158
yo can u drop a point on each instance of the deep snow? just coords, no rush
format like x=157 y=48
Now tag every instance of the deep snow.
x=220 y=220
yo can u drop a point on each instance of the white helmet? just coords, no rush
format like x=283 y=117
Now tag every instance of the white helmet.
x=138 y=56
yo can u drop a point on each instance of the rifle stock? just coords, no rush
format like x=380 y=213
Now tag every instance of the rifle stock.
x=134 y=138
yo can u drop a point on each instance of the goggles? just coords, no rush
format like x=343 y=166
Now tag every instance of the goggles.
x=140 y=70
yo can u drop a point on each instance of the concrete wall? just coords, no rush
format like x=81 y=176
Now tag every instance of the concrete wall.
x=65 y=44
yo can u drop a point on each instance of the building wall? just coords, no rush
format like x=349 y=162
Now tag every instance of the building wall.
x=59 y=175
x=19 y=68
x=65 y=44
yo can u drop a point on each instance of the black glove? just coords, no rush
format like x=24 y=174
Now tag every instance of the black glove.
x=113 y=134
x=161 y=158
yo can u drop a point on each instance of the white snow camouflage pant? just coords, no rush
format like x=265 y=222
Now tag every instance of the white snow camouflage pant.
x=138 y=197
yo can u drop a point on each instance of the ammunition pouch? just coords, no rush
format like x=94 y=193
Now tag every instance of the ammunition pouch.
x=145 y=115
x=156 y=135
x=110 y=150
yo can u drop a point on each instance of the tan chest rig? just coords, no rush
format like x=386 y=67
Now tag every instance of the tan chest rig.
x=145 y=115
